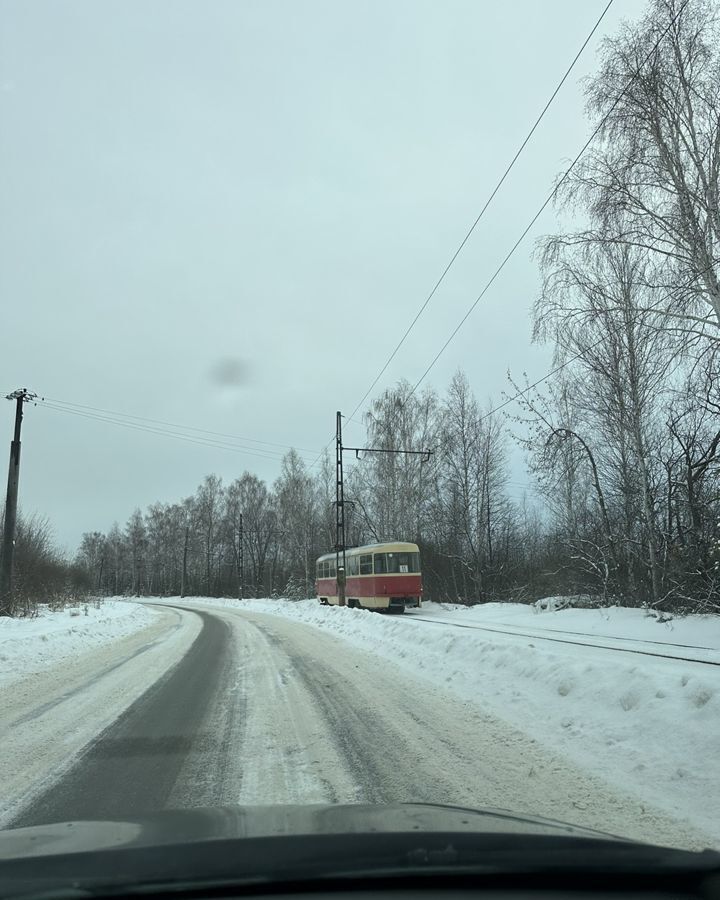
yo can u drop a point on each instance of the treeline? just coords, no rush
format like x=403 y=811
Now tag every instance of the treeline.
x=476 y=541
x=222 y=538
x=629 y=507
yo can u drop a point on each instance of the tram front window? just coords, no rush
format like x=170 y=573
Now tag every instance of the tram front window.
x=397 y=563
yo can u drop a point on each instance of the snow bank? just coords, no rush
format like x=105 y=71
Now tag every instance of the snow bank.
x=31 y=645
x=613 y=622
x=648 y=725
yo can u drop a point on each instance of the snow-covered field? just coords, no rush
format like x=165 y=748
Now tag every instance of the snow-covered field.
x=646 y=724
x=31 y=645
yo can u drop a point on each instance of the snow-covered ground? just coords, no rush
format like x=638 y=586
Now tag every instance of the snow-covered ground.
x=649 y=725
x=575 y=695
x=688 y=637
x=33 y=644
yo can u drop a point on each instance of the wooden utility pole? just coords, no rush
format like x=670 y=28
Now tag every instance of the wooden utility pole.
x=183 y=576
x=8 y=548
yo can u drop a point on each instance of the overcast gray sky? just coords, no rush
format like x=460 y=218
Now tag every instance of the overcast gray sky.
x=261 y=193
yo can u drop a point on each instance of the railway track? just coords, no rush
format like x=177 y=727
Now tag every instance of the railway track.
x=568 y=640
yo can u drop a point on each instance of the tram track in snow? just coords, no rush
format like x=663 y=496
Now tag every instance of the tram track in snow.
x=566 y=640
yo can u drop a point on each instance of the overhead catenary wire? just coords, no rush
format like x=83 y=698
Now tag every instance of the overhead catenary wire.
x=487 y=203
x=546 y=202
x=582 y=353
x=472 y=228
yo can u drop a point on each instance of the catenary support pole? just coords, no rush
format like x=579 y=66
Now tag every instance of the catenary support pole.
x=339 y=514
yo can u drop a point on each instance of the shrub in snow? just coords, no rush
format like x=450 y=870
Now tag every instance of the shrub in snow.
x=660 y=617
x=552 y=604
x=295 y=589
x=574 y=601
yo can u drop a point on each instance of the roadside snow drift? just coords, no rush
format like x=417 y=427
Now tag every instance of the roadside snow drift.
x=33 y=644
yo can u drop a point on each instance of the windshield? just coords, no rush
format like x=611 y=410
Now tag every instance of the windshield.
x=394 y=563
x=362 y=418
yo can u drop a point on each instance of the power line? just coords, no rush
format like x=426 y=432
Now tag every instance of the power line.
x=547 y=201
x=207 y=442
x=120 y=415
x=484 y=208
x=204 y=442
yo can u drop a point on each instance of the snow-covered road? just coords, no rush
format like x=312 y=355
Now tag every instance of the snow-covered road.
x=52 y=709
x=228 y=704
x=650 y=725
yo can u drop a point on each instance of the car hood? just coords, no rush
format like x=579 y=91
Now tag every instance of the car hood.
x=188 y=826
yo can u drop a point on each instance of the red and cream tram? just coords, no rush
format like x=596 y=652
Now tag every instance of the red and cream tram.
x=378 y=576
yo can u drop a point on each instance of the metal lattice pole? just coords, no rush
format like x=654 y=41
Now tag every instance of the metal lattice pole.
x=339 y=514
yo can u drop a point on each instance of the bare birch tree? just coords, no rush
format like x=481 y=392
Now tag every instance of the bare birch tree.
x=651 y=179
